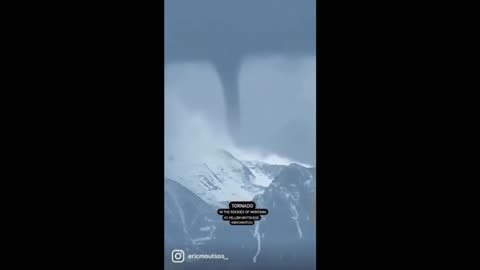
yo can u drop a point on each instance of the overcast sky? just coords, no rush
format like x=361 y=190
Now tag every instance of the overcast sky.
x=273 y=42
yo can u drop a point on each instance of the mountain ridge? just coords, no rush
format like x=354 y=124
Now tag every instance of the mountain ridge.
x=286 y=234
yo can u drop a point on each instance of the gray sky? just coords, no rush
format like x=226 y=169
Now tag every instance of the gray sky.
x=272 y=44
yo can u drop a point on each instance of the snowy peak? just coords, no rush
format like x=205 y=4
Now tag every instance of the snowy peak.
x=217 y=177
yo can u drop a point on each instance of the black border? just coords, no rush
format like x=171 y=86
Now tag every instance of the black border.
x=109 y=69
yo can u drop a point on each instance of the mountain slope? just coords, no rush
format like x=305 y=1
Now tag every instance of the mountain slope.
x=283 y=239
x=290 y=200
x=217 y=177
x=264 y=173
x=189 y=220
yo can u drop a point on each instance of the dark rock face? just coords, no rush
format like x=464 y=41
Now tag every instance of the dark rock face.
x=288 y=232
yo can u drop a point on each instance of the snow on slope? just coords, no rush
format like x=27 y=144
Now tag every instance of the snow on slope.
x=217 y=177
x=264 y=173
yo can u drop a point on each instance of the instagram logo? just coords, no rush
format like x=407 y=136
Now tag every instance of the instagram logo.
x=178 y=256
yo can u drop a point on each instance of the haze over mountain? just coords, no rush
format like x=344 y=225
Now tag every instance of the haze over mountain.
x=249 y=66
x=278 y=101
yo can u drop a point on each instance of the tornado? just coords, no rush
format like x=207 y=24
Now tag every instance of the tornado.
x=220 y=32
x=228 y=71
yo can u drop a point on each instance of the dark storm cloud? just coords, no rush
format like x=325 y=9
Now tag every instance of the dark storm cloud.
x=223 y=32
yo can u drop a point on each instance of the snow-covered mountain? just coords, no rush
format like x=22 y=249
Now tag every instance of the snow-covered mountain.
x=283 y=239
x=217 y=177
x=189 y=220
